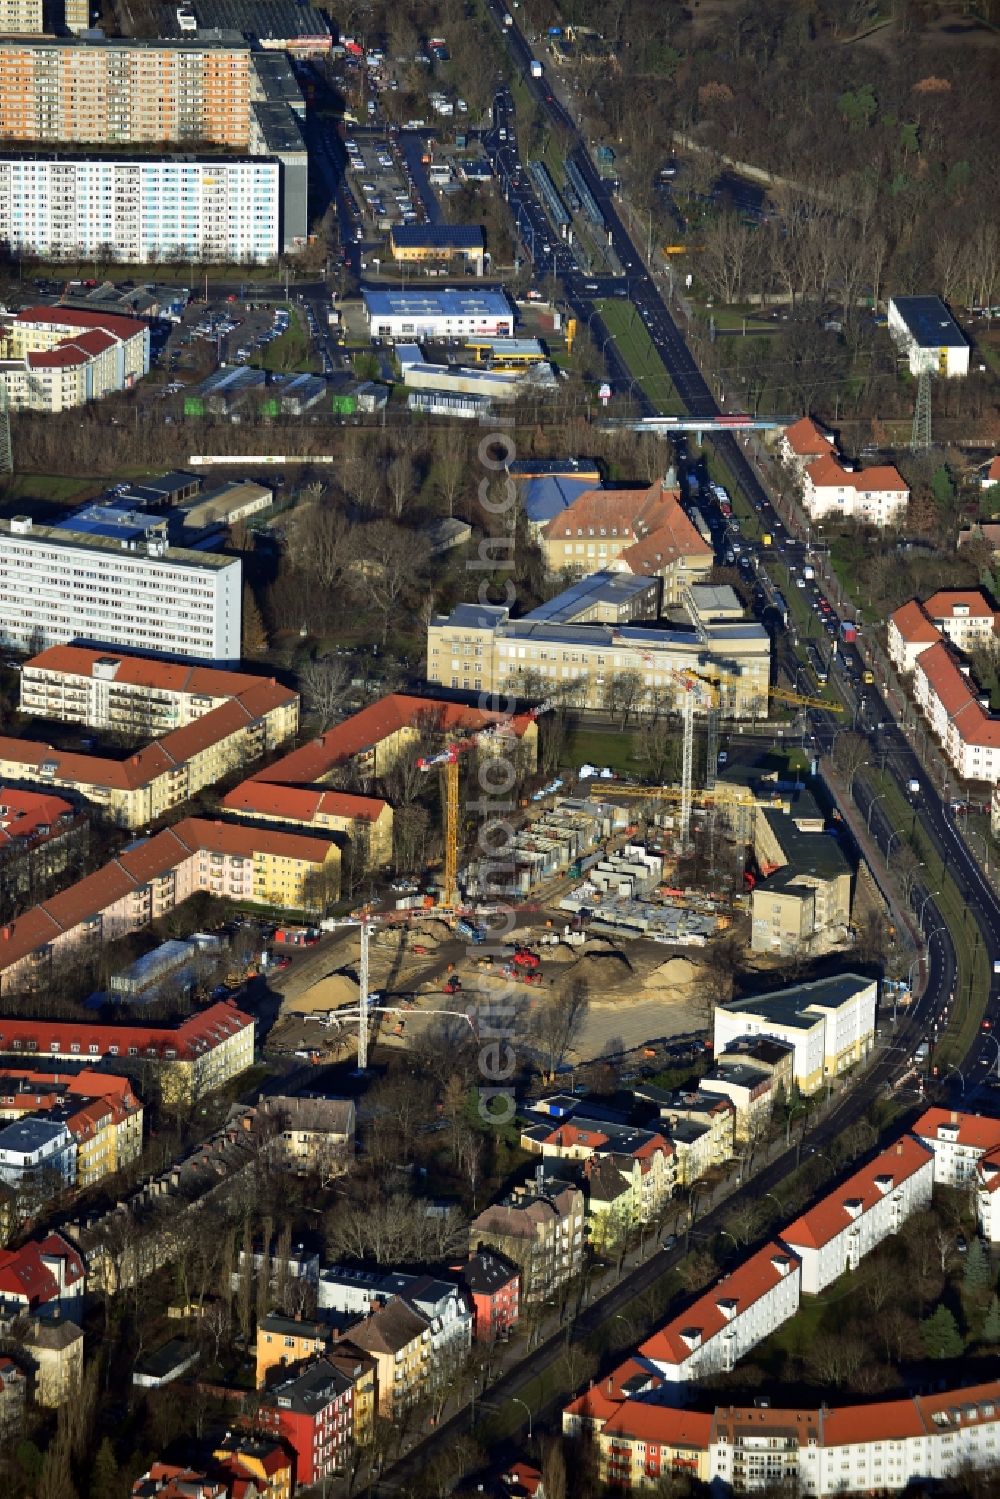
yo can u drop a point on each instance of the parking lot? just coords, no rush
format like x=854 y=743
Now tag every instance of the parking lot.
x=381 y=182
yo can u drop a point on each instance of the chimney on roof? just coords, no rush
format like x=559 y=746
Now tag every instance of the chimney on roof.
x=954 y=1116
x=899 y=1147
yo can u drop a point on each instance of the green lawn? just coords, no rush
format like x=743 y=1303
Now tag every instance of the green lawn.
x=636 y=348
x=61 y=489
x=602 y=747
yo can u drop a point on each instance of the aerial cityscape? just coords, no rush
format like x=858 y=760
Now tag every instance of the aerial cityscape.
x=499 y=749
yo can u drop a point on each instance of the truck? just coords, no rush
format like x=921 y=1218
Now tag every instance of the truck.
x=809 y=573
x=536 y=68
x=912 y=788
x=848 y=631
x=508 y=19
x=471 y=931
x=767 y=539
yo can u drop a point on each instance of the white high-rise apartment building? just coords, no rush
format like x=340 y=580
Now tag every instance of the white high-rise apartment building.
x=142 y=208
x=58 y=585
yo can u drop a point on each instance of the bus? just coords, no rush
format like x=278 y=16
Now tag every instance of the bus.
x=819 y=671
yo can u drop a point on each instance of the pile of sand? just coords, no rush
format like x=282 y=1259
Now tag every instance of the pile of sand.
x=671 y=979
x=333 y=992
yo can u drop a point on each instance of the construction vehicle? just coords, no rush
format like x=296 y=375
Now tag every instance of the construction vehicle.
x=526 y=960
x=452 y=985
x=447 y=762
x=521 y=975
x=470 y=930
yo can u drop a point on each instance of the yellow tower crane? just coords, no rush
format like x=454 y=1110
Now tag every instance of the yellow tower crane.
x=447 y=762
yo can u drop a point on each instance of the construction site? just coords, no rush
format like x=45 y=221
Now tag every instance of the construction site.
x=624 y=890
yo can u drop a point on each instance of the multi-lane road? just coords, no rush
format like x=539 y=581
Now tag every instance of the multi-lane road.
x=874 y=716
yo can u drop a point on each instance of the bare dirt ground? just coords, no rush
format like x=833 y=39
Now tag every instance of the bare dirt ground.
x=637 y=991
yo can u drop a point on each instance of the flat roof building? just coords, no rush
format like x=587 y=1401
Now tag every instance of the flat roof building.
x=413 y=243
x=113 y=90
x=448 y=313
x=928 y=335
x=59 y=585
x=480 y=648
x=829 y=1023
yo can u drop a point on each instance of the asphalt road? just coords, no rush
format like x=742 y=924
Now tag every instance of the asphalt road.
x=873 y=717
x=873 y=714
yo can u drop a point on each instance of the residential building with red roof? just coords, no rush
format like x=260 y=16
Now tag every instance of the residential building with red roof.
x=857 y=1215
x=47 y=1272
x=642 y=531
x=262 y=866
x=966 y=616
x=109 y=689
x=958 y=1140
x=149 y=782
x=40 y=836
x=643 y=1443
x=958 y=713
x=966 y=1151
x=910 y=632
x=878 y=496
x=168 y=1481
x=963 y=616
x=201 y=1053
x=365 y=820
x=56 y=358
x=734 y=1315
x=370 y=742
x=879 y=1447
x=802 y=443
x=991 y=474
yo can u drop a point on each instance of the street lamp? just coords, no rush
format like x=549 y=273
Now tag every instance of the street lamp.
x=526 y=1408
x=923 y=905
x=766 y=1195
x=872 y=803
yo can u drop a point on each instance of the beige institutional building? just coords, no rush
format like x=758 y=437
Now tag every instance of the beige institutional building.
x=570 y=646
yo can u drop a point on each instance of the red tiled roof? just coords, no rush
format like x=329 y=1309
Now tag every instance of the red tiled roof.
x=363 y=731
x=827 y=473
x=78 y=317
x=607 y=1395
x=301 y=803
x=988 y=1170
x=661 y=1424
x=233 y=838
x=977 y=1130
x=162 y=755
x=143 y=671
x=941 y=605
x=805 y=438
x=654 y=518
x=745 y=1285
x=830 y=1217
x=192 y=1036
x=957 y=696
x=944 y=675
x=993 y=472
x=913 y=624
x=61 y=357
x=136 y=866
x=25 y=812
